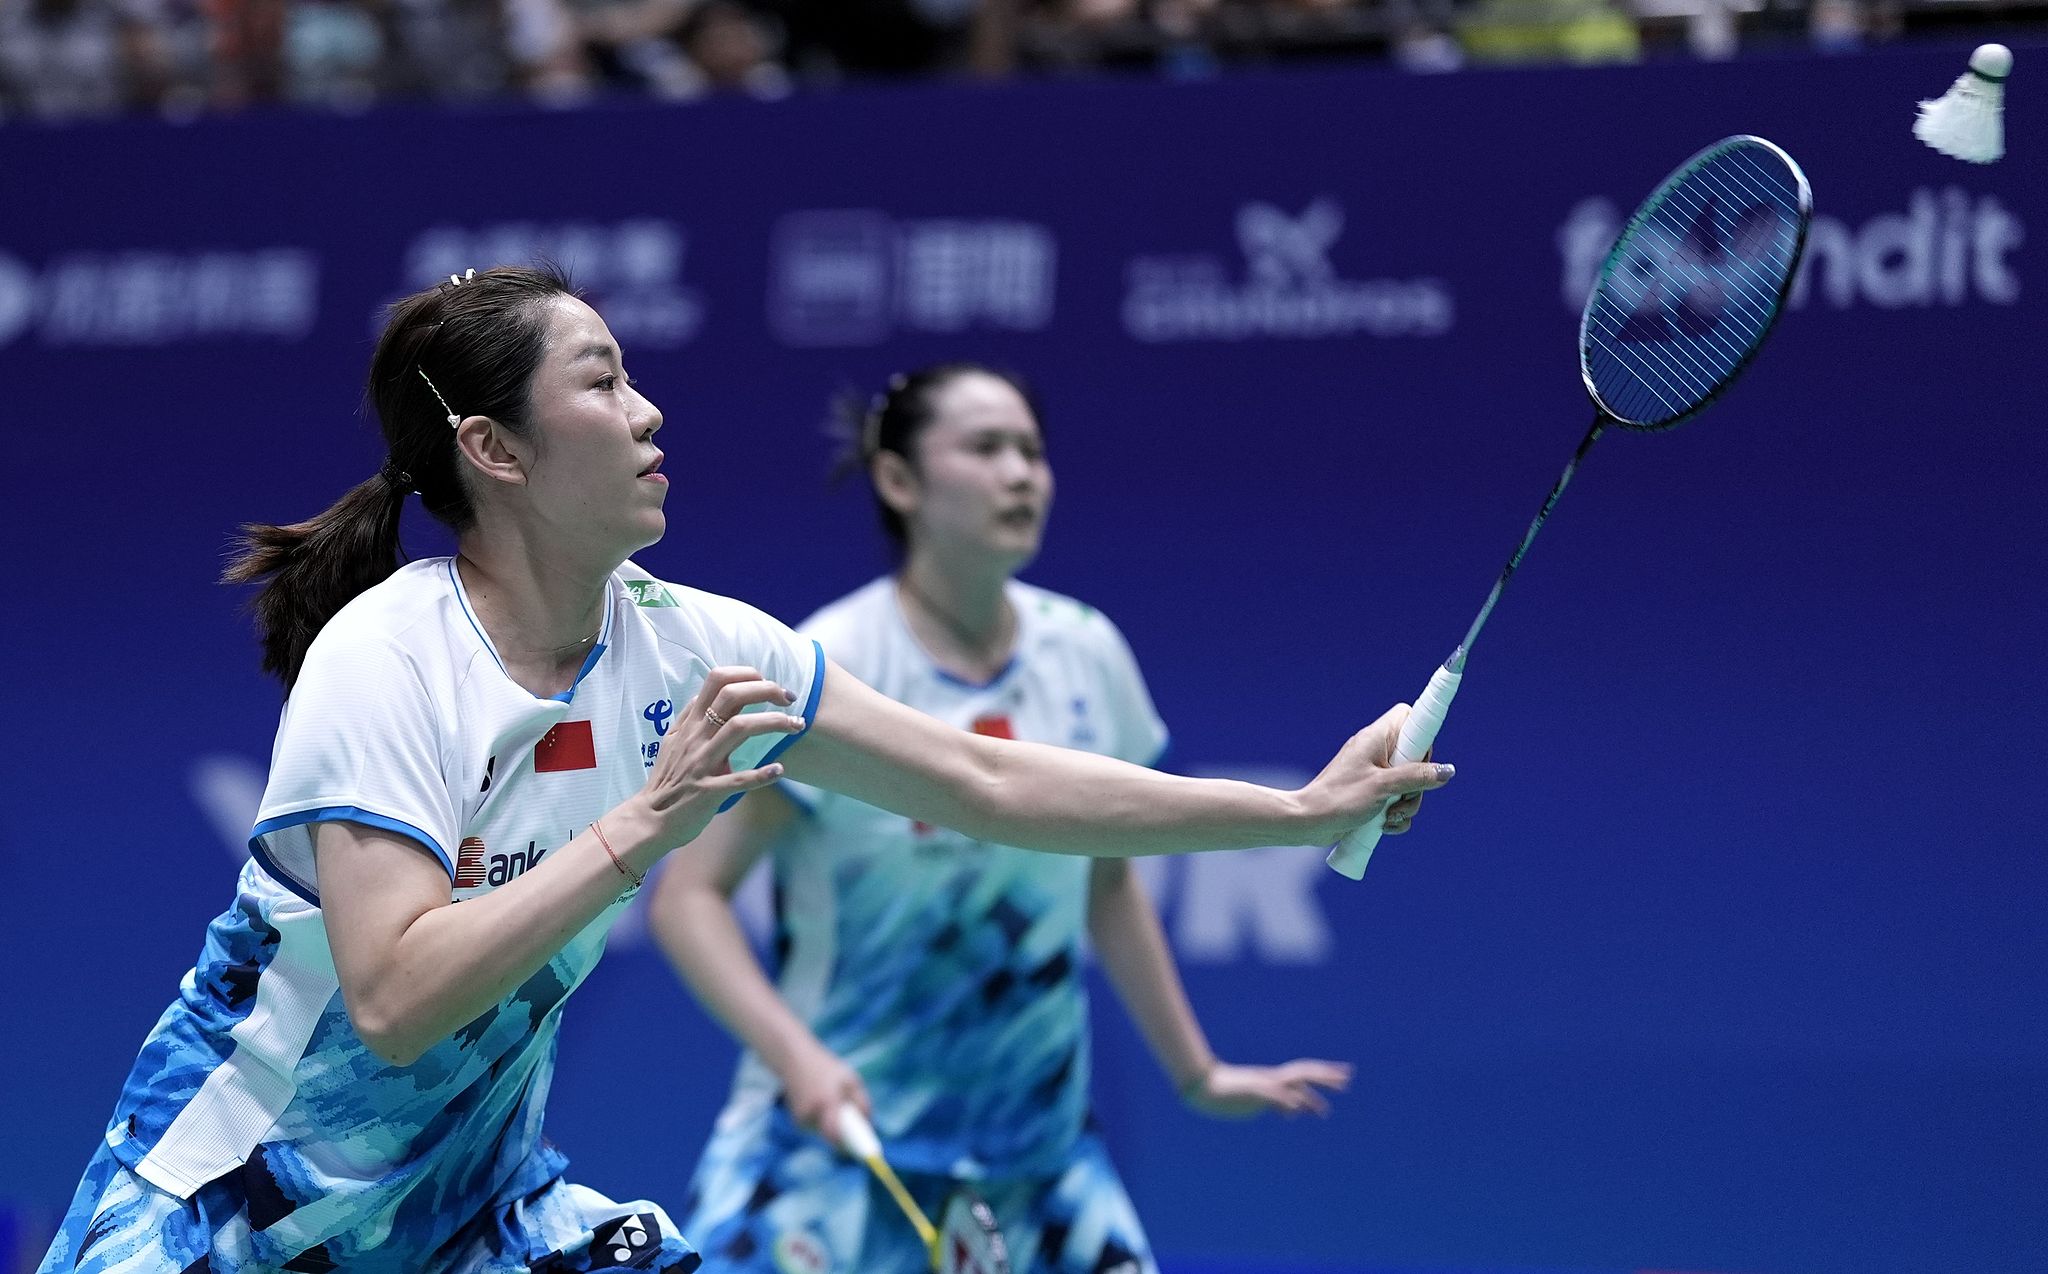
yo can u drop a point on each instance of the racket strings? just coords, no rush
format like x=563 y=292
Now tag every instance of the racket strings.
x=1728 y=228
x=1771 y=202
x=1757 y=313
x=1687 y=368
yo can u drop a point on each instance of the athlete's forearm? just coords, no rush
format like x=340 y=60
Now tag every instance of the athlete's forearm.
x=411 y=976
x=694 y=923
x=1074 y=802
x=1129 y=942
x=1033 y=795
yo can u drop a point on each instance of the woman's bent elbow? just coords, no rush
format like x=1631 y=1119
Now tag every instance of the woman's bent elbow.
x=389 y=1040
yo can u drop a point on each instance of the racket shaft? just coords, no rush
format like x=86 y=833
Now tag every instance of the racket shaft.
x=858 y=1136
x=887 y=1176
x=1418 y=733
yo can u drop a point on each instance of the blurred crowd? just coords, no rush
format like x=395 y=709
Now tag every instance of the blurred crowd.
x=70 y=58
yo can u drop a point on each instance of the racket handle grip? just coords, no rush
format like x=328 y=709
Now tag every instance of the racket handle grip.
x=857 y=1135
x=1418 y=732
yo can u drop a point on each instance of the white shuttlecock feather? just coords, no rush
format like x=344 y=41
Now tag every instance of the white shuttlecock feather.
x=1967 y=122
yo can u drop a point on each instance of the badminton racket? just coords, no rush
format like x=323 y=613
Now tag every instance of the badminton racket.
x=1682 y=303
x=965 y=1241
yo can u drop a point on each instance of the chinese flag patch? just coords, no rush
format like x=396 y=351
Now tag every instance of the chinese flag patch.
x=996 y=727
x=566 y=747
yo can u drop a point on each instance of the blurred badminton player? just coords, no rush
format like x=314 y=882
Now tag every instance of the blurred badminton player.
x=352 y=1077
x=928 y=976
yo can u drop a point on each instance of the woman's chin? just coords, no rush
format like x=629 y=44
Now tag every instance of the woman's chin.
x=649 y=530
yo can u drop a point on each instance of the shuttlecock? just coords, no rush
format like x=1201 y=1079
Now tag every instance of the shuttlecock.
x=1967 y=122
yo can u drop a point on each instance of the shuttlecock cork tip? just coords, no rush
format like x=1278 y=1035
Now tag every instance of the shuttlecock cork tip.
x=1992 y=61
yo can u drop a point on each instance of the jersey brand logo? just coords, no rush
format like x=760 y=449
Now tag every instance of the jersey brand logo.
x=647 y=592
x=490 y=767
x=624 y=1239
x=566 y=747
x=1084 y=730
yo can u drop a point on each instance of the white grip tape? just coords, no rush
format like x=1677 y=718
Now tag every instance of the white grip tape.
x=1418 y=732
x=857 y=1135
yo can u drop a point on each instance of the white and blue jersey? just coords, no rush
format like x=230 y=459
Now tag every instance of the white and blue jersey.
x=254 y=1095
x=947 y=970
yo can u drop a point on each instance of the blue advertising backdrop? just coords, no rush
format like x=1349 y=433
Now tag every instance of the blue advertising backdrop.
x=1723 y=952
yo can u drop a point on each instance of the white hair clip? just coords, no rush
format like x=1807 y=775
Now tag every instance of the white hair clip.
x=458 y=281
x=453 y=419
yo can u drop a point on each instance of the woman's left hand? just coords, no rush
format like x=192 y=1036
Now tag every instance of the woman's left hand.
x=1240 y=1092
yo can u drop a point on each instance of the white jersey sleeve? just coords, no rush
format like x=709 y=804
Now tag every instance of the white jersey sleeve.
x=850 y=629
x=360 y=741
x=1137 y=733
x=720 y=631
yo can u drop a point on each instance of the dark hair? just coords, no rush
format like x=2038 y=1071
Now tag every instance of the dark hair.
x=464 y=348
x=894 y=419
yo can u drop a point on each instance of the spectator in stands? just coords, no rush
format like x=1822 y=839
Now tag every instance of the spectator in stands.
x=62 y=58
x=334 y=53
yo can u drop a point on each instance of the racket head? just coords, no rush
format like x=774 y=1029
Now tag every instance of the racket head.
x=1694 y=284
x=969 y=1240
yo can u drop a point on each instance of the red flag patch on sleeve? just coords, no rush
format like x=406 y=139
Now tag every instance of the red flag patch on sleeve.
x=566 y=747
x=996 y=726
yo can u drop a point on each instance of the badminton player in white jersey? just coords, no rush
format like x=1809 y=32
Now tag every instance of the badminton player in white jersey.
x=927 y=974
x=352 y=1076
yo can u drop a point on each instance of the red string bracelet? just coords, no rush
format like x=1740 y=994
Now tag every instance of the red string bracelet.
x=617 y=862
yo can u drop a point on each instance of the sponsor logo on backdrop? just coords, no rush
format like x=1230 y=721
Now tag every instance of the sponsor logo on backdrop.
x=1947 y=247
x=148 y=298
x=856 y=276
x=631 y=270
x=1262 y=906
x=1287 y=288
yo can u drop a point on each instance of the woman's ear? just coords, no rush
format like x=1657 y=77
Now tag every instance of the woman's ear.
x=492 y=451
x=896 y=482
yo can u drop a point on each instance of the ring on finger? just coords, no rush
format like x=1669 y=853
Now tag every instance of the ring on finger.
x=712 y=716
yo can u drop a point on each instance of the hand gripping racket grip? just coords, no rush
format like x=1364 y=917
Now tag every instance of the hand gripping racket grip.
x=857 y=1134
x=1418 y=732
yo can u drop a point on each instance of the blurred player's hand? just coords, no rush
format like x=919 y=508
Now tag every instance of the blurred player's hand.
x=1240 y=1092
x=815 y=1084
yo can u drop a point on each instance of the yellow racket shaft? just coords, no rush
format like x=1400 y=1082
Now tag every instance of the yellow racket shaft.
x=887 y=1175
x=858 y=1136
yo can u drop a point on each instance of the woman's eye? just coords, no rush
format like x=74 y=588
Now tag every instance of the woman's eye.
x=607 y=382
